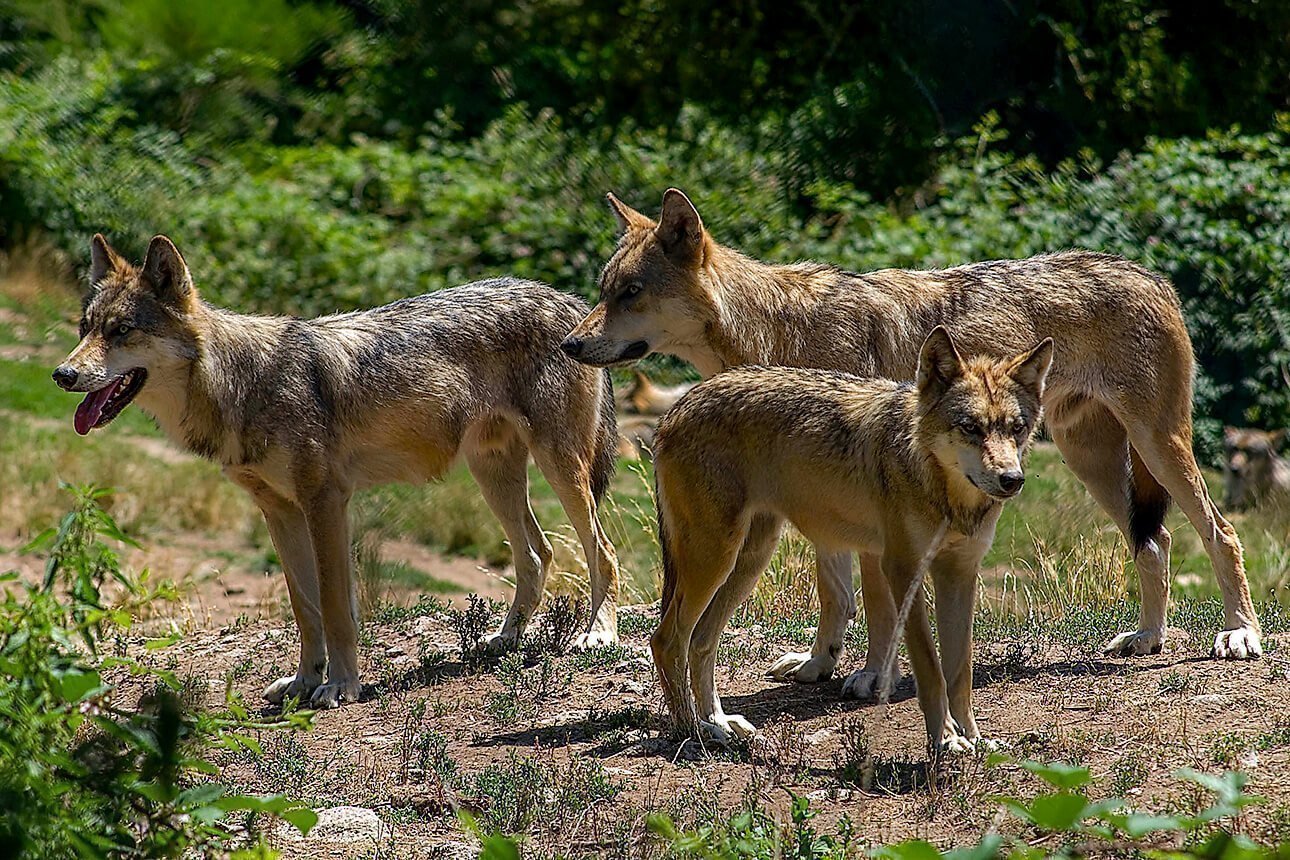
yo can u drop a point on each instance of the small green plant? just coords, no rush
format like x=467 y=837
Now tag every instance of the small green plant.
x=80 y=774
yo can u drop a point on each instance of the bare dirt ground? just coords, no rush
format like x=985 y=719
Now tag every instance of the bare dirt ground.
x=576 y=755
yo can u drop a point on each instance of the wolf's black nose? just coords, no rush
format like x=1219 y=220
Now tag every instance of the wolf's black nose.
x=572 y=346
x=65 y=377
x=1010 y=482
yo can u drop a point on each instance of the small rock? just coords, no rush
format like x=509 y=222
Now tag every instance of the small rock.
x=1210 y=699
x=820 y=737
x=353 y=828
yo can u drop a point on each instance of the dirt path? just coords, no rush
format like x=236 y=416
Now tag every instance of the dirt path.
x=579 y=747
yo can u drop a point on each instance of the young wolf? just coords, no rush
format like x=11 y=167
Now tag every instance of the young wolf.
x=301 y=413
x=1118 y=402
x=910 y=472
x=1255 y=471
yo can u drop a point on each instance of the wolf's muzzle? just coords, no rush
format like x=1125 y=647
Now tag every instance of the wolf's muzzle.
x=65 y=377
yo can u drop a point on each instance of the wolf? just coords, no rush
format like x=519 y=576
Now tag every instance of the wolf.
x=302 y=413
x=646 y=397
x=910 y=472
x=1118 y=403
x=1255 y=471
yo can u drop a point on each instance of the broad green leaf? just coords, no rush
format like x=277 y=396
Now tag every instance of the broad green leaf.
x=1059 y=774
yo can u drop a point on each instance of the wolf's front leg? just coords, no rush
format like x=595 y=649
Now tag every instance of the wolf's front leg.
x=328 y=521
x=289 y=531
x=876 y=678
x=290 y=534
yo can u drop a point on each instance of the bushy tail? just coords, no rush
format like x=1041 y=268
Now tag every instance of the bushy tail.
x=665 y=549
x=1148 y=503
x=606 y=456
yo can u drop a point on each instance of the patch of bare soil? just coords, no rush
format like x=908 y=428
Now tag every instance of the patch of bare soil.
x=431 y=734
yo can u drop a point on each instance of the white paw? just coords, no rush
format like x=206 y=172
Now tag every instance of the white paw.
x=1239 y=644
x=291 y=687
x=800 y=666
x=990 y=745
x=955 y=744
x=865 y=685
x=333 y=694
x=595 y=639
x=496 y=644
x=721 y=729
x=1135 y=644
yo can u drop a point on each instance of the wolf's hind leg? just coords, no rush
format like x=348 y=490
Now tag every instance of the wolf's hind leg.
x=1173 y=464
x=759 y=546
x=502 y=475
x=570 y=478
x=1096 y=449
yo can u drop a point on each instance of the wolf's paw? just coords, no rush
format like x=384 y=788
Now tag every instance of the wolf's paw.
x=595 y=639
x=1239 y=644
x=955 y=745
x=864 y=686
x=497 y=644
x=721 y=729
x=333 y=694
x=1135 y=644
x=803 y=668
x=291 y=687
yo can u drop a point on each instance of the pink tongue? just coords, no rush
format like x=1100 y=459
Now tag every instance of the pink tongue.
x=91 y=408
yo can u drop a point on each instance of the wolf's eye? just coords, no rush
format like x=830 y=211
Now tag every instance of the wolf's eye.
x=124 y=329
x=970 y=429
x=633 y=290
x=1018 y=426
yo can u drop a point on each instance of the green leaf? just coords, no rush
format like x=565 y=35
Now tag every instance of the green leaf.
x=300 y=817
x=76 y=684
x=1059 y=774
x=1058 y=812
x=914 y=849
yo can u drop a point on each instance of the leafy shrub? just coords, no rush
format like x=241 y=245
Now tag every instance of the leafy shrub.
x=81 y=775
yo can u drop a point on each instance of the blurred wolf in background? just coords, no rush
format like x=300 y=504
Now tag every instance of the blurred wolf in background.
x=640 y=405
x=1255 y=470
x=302 y=413
x=915 y=473
x=1118 y=403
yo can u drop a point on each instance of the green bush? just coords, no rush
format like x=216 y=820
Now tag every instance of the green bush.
x=316 y=229
x=81 y=775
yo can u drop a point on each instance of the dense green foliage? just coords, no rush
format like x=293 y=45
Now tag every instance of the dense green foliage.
x=317 y=156
x=82 y=773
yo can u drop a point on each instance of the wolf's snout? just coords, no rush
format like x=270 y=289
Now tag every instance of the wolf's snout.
x=66 y=377
x=1010 y=482
x=572 y=346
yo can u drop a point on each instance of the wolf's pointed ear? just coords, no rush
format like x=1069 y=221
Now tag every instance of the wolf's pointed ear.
x=1278 y=438
x=1230 y=433
x=165 y=270
x=1030 y=369
x=939 y=363
x=626 y=216
x=103 y=260
x=680 y=229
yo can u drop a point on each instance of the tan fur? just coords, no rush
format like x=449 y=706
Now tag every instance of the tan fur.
x=303 y=413
x=1118 y=402
x=902 y=472
x=646 y=397
x=1256 y=472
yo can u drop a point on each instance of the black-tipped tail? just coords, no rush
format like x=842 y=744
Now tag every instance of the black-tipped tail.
x=1148 y=504
x=606 y=459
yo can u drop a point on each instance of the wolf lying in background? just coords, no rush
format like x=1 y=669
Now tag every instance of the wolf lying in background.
x=1118 y=402
x=908 y=472
x=302 y=413
x=1255 y=470
x=640 y=405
